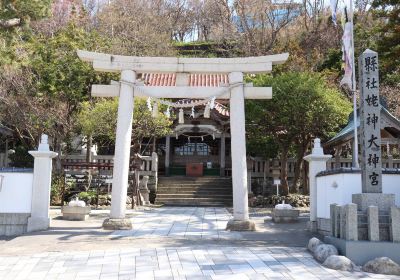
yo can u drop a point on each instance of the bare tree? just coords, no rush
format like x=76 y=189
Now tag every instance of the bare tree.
x=260 y=22
x=137 y=27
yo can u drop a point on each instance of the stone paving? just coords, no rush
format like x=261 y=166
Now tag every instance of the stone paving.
x=209 y=253
x=188 y=222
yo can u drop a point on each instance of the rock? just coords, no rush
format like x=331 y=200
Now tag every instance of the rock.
x=234 y=225
x=339 y=263
x=323 y=251
x=117 y=224
x=313 y=243
x=382 y=265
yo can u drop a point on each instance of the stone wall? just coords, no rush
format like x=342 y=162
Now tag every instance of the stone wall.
x=338 y=186
x=324 y=226
x=13 y=223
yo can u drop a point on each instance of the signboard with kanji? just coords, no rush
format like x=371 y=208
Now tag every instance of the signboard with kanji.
x=370 y=108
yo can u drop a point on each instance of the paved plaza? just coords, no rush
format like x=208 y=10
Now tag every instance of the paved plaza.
x=166 y=243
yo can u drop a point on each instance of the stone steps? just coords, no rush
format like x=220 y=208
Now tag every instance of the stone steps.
x=193 y=190
x=199 y=191
x=195 y=202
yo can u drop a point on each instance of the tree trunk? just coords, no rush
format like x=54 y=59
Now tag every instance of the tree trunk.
x=284 y=175
x=89 y=144
x=154 y=145
x=306 y=189
x=301 y=150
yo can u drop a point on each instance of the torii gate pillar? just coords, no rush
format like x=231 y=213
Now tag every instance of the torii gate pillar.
x=117 y=218
x=240 y=221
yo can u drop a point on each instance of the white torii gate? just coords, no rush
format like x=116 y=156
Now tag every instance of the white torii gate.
x=129 y=66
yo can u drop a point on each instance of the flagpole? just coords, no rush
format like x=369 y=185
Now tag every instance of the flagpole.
x=353 y=89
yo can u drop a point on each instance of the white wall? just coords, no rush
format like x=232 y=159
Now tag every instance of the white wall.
x=338 y=188
x=16 y=192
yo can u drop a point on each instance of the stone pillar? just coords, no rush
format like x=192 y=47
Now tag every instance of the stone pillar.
x=333 y=215
x=351 y=229
x=317 y=163
x=395 y=224
x=240 y=219
x=167 y=153
x=39 y=219
x=122 y=154
x=336 y=233
x=222 y=156
x=373 y=223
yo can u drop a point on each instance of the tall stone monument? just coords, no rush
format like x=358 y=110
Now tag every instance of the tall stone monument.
x=369 y=227
x=370 y=136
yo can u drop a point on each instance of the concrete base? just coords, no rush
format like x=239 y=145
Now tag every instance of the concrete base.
x=117 y=224
x=361 y=252
x=285 y=215
x=235 y=225
x=75 y=213
x=12 y=224
x=38 y=223
x=383 y=200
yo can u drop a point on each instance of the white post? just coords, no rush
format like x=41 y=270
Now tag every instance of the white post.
x=122 y=154
x=167 y=153
x=222 y=156
x=317 y=161
x=239 y=167
x=154 y=168
x=354 y=91
x=40 y=219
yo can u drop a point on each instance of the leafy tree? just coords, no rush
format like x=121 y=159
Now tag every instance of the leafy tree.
x=18 y=12
x=303 y=107
x=389 y=31
x=99 y=119
x=43 y=93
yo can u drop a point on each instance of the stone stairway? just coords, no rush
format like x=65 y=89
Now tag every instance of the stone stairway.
x=198 y=191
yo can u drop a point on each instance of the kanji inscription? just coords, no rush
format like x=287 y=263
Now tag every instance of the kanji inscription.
x=371 y=160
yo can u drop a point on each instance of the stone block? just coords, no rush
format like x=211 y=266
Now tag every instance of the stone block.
x=236 y=225
x=324 y=226
x=373 y=223
x=75 y=213
x=395 y=224
x=383 y=200
x=285 y=215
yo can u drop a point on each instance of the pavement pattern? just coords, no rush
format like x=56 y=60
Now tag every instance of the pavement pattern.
x=155 y=249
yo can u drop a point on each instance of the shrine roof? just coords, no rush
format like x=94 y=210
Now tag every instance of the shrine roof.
x=348 y=131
